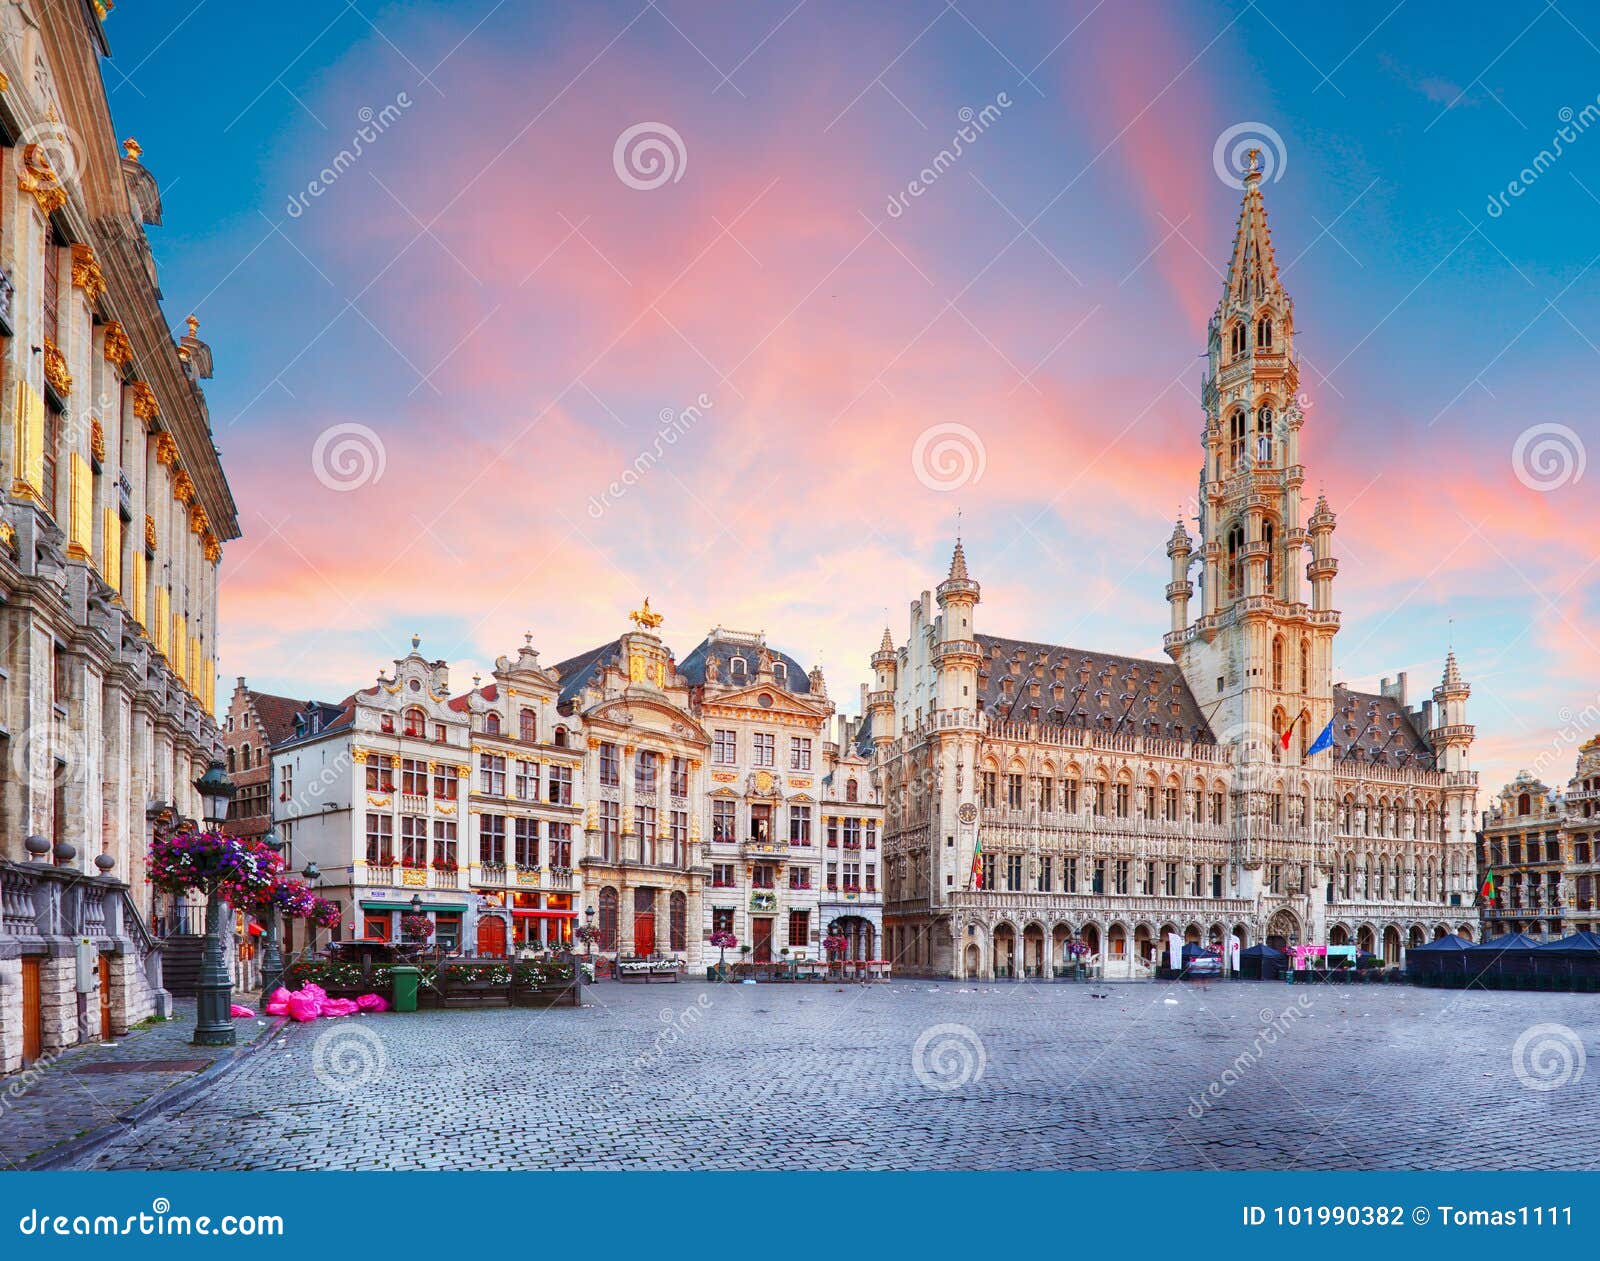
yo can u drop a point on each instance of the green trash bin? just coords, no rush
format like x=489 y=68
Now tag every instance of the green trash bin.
x=405 y=987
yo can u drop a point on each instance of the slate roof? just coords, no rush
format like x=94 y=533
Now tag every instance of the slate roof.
x=1364 y=723
x=335 y=717
x=713 y=648
x=575 y=672
x=1156 y=687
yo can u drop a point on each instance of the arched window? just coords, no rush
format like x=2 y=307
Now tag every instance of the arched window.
x=1277 y=663
x=608 y=918
x=231 y=761
x=780 y=671
x=737 y=668
x=678 y=922
x=1264 y=436
x=1235 y=561
x=416 y=722
x=1264 y=332
x=561 y=737
x=528 y=728
x=852 y=791
x=491 y=724
x=1269 y=537
x=1524 y=804
x=1236 y=425
x=1236 y=340
x=1305 y=665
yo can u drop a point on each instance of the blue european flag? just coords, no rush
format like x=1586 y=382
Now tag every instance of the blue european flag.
x=1324 y=741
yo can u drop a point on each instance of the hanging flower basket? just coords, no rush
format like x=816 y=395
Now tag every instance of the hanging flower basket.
x=417 y=927
x=241 y=871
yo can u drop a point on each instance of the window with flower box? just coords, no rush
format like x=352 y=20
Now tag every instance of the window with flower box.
x=559 y=783
x=444 y=781
x=724 y=821
x=799 y=825
x=871 y=826
x=722 y=875
x=852 y=877
x=833 y=831
x=852 y=833
x=872 y=878
x=492 y=839
x=444 y=844
x=525 y=842
x=799 y=877
x=610 y=766
x=379 y=777
x=413 y=841
x=833 y=880
x=491 y=775
x=416 y=723
x=761 y=876
x=380 y=840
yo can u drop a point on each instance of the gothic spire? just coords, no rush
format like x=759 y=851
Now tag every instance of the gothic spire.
x=1252 y=276
x=958 y=564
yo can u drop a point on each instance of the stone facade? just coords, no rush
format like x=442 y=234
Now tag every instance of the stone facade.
x=116 y=508
x=1043 y=800
x=1543 y=846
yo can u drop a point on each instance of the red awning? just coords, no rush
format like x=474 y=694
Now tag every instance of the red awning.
x=546 y=914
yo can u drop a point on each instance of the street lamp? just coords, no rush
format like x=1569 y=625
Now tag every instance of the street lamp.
x=214 y=1003
x=311 y=873
x=271 y=955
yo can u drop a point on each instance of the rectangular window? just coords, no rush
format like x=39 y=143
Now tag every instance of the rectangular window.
x=1069 y=875
x=1014 y=797
x=1122 y=801
x=799 y=753
x=1120 y=875
x=799 y=928
x=492 y=839
x=799 y=825
x=1172 y=880
x=413 y=776
x=722 y=875
x=872 y=833
x=560 y=838
x=679 y=787
x=678 y=829
x=444 y=844
x=1045 y=872
x=722 y=919
x=527 y=781
x=610 y=830
x=872 y=878
x=447 y=930
x=986 y=866
x=645 y=765
x=799 y=876
x=1170 y=804
x=1216 y=808
x=725 y=748
x=413 y=841
x=1148 y=802
x=1044 y=787
x=491 y=774
x=766 y=748
x=644 y=828
x=724 y=821
x=610 y=766
x=1069 y=796
x=852 y=833
x=559 y=781
x=1014 y=872
x=380 y=840
x=525 y=839
x=761 y=876
x=852 y=877
x=833 y=831
x=379 y=779
x=444 y=782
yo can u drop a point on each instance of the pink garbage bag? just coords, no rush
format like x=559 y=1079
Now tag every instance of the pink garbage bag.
x=279 y=995
x=277 y=1009
x=314 y=991
x=237 y=1012
x=339 y=1007
x=303 y=1008
x=372 y=1002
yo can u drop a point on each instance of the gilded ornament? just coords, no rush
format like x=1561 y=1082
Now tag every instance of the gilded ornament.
x=199 y=523
x=182 y=486
x=149 y=534
x=97 y=442
x=86 y=273
x=8 y=535
x=118 y=349
x=37 y=178
x=213 y=549
x=147 y=409
x=131 y=149
x=644 y=618
x=55 y=369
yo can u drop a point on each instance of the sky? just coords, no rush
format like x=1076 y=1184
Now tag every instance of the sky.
x=523 y=312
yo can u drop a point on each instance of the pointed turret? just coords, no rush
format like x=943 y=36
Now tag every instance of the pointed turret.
x=1179 y=548
x=958 y=584
x=1452 y=737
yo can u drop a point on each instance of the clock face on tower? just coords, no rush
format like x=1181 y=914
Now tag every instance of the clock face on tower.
x=968 y=813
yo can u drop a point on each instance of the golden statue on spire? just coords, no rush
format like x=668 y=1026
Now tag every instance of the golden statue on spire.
x=644 y=618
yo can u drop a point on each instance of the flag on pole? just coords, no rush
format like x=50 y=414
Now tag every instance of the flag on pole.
x=977 y=864
x=1323 y=741
x=1489 y=888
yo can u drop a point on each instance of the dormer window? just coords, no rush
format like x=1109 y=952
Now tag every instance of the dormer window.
x=385 y=724
x=780 y=671
x=491 y=724
x=416 y=723
x=737 y=668
x=561 y=737
x=528 y=726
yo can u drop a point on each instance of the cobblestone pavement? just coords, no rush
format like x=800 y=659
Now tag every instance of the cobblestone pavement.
x=915 y=1075
x=52 y=1102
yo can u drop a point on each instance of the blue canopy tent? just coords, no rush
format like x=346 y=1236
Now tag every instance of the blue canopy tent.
x=1502 y=961
x=1261 y=963
x=1442 y=961
x=1573 y=962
